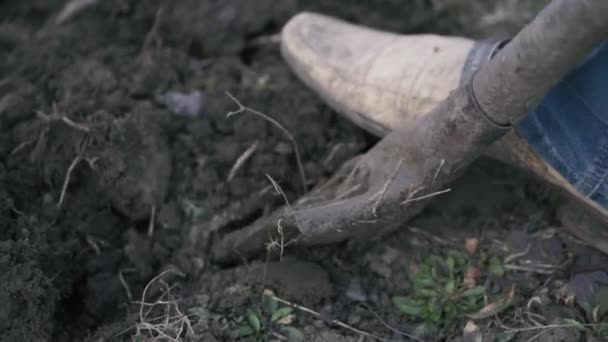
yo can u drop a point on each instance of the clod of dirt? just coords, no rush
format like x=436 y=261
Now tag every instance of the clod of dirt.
x=136 y=164
x=27 y=296
x=303 y=282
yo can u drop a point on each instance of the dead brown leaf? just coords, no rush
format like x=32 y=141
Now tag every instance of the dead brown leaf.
x=496 y=307
x=471 y=244
x=470 y=276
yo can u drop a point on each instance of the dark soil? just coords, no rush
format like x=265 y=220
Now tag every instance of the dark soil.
x=84 y=114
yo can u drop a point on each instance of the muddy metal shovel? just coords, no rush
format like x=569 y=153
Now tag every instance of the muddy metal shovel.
x=378 y=192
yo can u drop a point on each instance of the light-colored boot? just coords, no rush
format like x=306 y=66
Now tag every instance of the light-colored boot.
x=381 y=80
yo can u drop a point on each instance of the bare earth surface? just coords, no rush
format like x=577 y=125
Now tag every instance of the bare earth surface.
x=111 y=194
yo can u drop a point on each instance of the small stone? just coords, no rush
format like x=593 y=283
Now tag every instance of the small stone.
x=184 y=104
x=283 y=148
x=355 y=292
x=390 y=255
x=471 y=333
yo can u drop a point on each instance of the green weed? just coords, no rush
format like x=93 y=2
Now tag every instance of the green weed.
x=440 y=294
x=271 y=319
x=192 y=211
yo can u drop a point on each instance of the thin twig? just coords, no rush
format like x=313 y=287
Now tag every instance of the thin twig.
x=333 y=321
x=512 y=267
x=72 y=8
x=428 y=235
x=279 y=190
x=385 y=187
x=279 y=126
x=240 y=161
x=56 y=116
x=557 y=326
x=152 y=222
x=348 y=192
x=147 y=287
x=264 y=40
x=280 y=337
x=93 y=245
x=542 y=332
x=153 y=35
x=433 y=194
x=280 y=243
x=68 y=176
x=438 y=169
x=168 y=323
x=23 y=145
x=514 y=256
x=124 y=284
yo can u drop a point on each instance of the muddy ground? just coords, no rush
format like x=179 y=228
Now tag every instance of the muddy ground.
x=110 y=195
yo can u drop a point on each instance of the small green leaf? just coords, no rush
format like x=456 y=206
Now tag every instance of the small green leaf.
x=474 y=291
x=451 y=263
x=269 y=304
x=191 y=210
x=408 y=306
x=246 y=330
x=459 y=257
x=495 y=267
x=450 y=312
x=293 y=334
x=426 y=293
x=424 y=280
x=254 y=321
x=470 y=304
x=483 y=256
x=449 y=287
x=280 y=313
x=138 y=338
x=434 y=312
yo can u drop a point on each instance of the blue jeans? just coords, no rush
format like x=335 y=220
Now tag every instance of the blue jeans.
x=569 y=128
